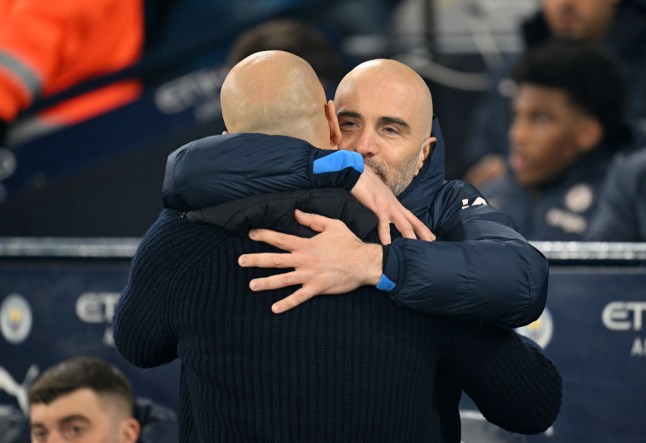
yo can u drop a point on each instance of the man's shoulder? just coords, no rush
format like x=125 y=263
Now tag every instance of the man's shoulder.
x=173 y=234
x=243 y=138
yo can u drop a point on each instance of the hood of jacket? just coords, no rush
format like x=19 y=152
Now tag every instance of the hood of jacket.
x=419 y=195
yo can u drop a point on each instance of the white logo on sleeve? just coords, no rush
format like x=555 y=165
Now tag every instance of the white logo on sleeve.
x=476 y=202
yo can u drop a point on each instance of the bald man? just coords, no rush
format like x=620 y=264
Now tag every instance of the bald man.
x=351 y=368
x=482 y=270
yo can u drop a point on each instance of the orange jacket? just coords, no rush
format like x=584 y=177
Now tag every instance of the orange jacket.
x=47 y=46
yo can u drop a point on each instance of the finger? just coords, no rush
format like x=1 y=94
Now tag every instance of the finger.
x=282 y=241
x=384 y=231
x=404 y=226
x=275 y=282
x=315 y=222
x=266 y=260
x=297 y=298
x=423 y=232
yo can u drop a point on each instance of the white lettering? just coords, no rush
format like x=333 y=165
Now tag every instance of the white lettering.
x=566 y=221
x=108 y=338
x=479 y=201
x=180 y=94
x=623 y=316
x=639 y=348
x=97 y=307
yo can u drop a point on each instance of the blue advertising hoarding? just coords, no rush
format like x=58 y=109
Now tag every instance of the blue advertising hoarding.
x=57 y=299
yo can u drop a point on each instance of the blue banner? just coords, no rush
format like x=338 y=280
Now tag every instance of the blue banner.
x=54 y=307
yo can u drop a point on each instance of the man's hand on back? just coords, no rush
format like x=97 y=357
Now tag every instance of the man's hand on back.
x=335 y=261
x=375 y=195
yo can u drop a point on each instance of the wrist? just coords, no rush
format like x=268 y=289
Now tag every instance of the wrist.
x=372 y=264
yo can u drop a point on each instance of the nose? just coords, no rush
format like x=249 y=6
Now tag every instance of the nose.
x=517 y=132
x=366 y=143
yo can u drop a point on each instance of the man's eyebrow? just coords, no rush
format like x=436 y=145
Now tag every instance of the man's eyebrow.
x=351 y=114
x=71 y=418
x=394 y=121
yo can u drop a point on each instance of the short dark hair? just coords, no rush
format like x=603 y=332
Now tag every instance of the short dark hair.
x=295 y=36
x=78 y=373
x=592 y=80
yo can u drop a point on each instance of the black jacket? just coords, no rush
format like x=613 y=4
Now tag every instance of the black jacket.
x=480 y=268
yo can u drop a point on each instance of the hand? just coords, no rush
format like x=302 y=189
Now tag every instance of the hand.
x=335 y=261
x=375 y=195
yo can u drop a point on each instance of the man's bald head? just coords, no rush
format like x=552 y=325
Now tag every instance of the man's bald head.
x=395 y=80
x=275 y=92
x=385 y=113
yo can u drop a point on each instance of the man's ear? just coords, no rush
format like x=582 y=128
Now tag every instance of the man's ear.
x=333 y=122
x=129 y=430
x=589 y=133
x=427 y=148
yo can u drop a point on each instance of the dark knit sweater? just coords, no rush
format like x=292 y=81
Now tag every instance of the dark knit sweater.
x=347 y=368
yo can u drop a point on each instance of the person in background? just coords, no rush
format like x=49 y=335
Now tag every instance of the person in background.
x=621 y=212
x=568 y=123
x=87 y=399
x=357 y=361
x=82 y=399
x=296 y=37
x=617 y=27
x=48 y=47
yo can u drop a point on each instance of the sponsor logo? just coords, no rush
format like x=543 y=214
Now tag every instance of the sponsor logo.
x=18 y=391
x=566 y=221
x=15 y=318
x=478 y=201
x=96 y=307
x=192 y=91
x=579 y=198
x=624 y=315
x=541 y=330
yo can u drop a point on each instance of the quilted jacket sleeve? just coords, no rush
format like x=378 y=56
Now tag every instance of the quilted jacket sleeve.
x=218 y=169
x=480 y=268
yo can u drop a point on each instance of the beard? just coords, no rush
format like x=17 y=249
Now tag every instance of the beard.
x=397 y=179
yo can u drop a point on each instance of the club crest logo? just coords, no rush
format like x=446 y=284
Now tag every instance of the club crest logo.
x=541 y=330
x=15 y=319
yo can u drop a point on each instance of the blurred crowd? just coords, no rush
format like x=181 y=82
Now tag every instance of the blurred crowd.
x=557 y=141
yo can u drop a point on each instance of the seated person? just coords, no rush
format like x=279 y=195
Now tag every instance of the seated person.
x=296 y=37
x=86 y=399
x=618 y=28
x=568 y=123
x=621 y=213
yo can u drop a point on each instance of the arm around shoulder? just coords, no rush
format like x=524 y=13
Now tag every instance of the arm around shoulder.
x=480 y=268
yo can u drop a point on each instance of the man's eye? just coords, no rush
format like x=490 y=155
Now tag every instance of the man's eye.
x=74 y=431
x=38 y=435
x=347 y=124
x=391 y=131
x=541 y=119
